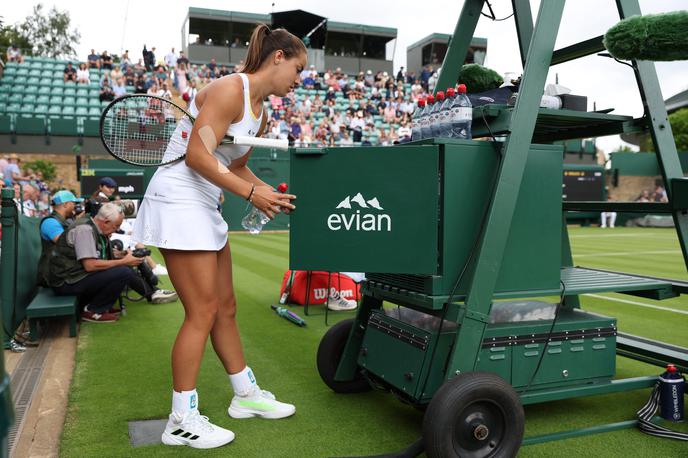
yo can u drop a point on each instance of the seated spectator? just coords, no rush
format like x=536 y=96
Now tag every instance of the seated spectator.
x=119 y=89
x=154 y=90
x=69 y=73
x=166 y=93
x=93 y=59
x=295 y=127
x=106 y=93
x=369 y=79
x=308 y=82
x=43 y=204
x=139 y=68
x=346 y=140
x=124 y=61
x=106 y=61
x=116 y=72
x=212 y=65
x=140 y=85
x=84 y=263
x=660 y=194
x=644 y=196
x=64 y=211
x=236 y=43
x=357 y=125
x=404 y=131
x=30 y=195
x=14 y=54
x=161 y=75
x=106 y=77
x=13 y=172
x=129 y=76
x=83 y=75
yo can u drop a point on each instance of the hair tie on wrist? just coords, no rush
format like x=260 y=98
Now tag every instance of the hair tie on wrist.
x=253 y=188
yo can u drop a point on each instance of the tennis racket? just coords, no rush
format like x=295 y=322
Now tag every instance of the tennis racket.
x=138 y=128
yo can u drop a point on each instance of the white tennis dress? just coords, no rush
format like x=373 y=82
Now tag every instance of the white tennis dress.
x=180 y=208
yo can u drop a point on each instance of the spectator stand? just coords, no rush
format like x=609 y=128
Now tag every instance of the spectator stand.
x=20 y=296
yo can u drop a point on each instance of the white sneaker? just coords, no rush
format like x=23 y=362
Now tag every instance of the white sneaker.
x=337 y=302
x=259 y=403
x=163 y=296
x=160 y=270
x=194 y=430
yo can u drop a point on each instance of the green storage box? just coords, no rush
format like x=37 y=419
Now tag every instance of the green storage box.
x=410 y=215
x=398 y=347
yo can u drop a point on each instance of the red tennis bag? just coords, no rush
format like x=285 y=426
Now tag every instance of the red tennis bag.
x=299 y=286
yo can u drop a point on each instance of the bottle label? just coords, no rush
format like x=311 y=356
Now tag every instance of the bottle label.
x=460 y=114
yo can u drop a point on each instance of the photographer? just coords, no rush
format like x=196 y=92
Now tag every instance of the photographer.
x=106 y=188
x=83 y=263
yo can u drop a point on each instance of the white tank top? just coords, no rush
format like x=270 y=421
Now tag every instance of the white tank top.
x=177 y=182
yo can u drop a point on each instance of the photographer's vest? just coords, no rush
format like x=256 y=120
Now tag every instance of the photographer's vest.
x=63 y=265
x=48 y=247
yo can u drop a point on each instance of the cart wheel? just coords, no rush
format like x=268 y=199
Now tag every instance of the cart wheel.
x=476 y=414
x=330 y=353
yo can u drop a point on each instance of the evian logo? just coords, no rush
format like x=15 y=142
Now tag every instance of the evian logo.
x=370 y=218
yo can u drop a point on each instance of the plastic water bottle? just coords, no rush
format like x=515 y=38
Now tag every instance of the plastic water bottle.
x=416 y=120
x=435 y=115
x=445 y=114
x=461 y=115
x=425 y=117
x=254 y=221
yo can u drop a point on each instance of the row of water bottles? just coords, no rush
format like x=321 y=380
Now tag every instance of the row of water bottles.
x=445 y=115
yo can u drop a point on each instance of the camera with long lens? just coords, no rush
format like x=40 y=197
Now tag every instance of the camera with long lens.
x=92 y=207
x=141 y=252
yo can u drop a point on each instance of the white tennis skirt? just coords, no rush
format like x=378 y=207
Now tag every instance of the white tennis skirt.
x=179 y=212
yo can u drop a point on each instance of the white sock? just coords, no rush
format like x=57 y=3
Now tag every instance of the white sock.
x=184 y=402
x=243 y=382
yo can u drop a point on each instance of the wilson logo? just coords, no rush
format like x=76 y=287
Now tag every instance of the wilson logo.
x=368 y=217
x=321 y=293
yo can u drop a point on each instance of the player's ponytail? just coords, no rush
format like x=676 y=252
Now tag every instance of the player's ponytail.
x=265 y=41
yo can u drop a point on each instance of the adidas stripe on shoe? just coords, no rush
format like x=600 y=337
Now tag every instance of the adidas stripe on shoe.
x=194 y=430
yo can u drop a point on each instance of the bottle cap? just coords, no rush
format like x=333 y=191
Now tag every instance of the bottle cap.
x=461 y=89
x=671 y=368
x=450 y=92
x=421 y=102
x=439 y=95
x=430 y=99
x=282 y=187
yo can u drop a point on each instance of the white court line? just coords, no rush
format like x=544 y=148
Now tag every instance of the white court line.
x=591 y=236
x=626 y=253
x=640 y=304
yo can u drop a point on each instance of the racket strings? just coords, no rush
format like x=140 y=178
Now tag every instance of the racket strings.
x=139 y=130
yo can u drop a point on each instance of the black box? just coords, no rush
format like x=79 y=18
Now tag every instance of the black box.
x=574 y=102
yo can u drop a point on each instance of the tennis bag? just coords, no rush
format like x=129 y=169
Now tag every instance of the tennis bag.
x=299 y=286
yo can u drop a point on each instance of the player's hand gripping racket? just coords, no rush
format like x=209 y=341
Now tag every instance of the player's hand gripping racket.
x=137 y=129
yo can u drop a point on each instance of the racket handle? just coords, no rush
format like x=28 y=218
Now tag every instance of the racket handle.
x=261 y=142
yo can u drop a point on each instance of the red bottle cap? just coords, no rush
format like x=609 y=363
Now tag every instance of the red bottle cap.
x=671 y=368
x=184 y=134
x=282 y=187
x=430 y=99
x=450 y=92
x=461 y=89
x=440 y=95
x=421 y=102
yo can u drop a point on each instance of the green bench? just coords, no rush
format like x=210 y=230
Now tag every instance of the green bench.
x=48 y=305
x=20 y=296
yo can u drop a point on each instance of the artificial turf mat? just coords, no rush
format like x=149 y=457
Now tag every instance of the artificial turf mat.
x=123 y=369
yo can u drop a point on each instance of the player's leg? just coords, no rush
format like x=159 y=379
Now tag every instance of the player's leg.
x=194 y=276
x=249 y=400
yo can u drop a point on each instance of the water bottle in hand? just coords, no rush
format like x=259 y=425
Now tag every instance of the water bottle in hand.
x=254 y=221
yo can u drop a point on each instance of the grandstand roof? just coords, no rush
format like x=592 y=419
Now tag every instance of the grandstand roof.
x=444 y=37
x=677 y=101
x=331 y=25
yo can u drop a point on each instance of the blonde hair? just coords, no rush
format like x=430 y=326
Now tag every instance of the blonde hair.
x=265 y=41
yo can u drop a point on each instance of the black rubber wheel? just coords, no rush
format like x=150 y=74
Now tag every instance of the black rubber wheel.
x=476 y=414
x=330 y=353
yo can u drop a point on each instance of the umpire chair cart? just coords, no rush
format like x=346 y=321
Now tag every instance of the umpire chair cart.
x=465 y=237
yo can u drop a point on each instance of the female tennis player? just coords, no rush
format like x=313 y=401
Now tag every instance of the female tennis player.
x=179 y=215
